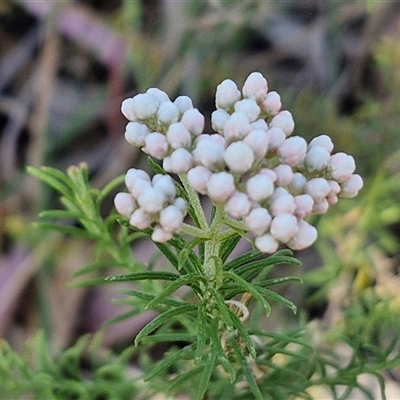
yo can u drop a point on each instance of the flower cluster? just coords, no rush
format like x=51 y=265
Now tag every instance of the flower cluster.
x=263 y=176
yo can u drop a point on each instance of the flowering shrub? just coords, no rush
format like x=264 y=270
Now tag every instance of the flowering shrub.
x=263 y=176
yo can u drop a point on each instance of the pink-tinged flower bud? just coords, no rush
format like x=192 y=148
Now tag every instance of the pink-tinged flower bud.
x=183 y=103
x=179 y=162
x=317 y=188
x=227 y=94
x=271 y=104
x=284 y=174
x=257 y=140
x=158 y=94
x=297 y=184
x=181 y=205
x=341 y=166
x=198 y=178
x=335 y=187
x=165 y=184
x=304 y=205
x=255 y=87
x=270 y=173
x=171 y=219
x=178 y=136
x=238 y=205
x=125 y=204
x=127 y=109
x=144 y=106
x=156 y=145
x=167 y=113
x=152 y=200
x=321 y=207
x=324 y=141
x=248 y=107
x=283 y=120
x=305 y=236
x=332 y=198
x=284 y=227
x=220 y=186
x=316 y=159
x=259 y=187
x=259 y=124
x=209 y=150
x=193 y=119
x=351 y=186
x=135 y=133
x=282 y=204
x=133 y=175
x=276 y=137
x=237 y=127
x=266 y=243
x=258 y=221
x=159 y=235
x=292 y=151
x=140 y=219
x=239 y=157
x=218 y=120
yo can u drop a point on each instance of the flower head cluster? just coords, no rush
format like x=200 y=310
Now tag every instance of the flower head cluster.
x=262 y=175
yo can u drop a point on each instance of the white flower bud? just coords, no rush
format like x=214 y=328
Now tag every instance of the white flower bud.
x=165 y=184
x=218 y=120
x=236 y=127
x=271 y=104
x=324 y=141
x=171 y=219
x=284 y=174
x=179 y=162
x=297 y=184
x=257 y=140
x=158 y=94
x=178 y=136
x=152 y=200
x=284 y=227
x=266 y=243
x=305 y=236
x=317 y=188
x=321 y=207
x=144 y=106
x=255 y=87
x=198 y=178
x=167 y=113
x=183 y=103
x=351 y=186
x=159 y=235
x=125 y=204
x=282 y=204
x=270 y=173
x=259 y=187
x=332 y=198
x=227 y=94
x=238 y=205
x=156 y=145
x=335 y=187
x=193 y=119
x=181 y=205
x=140 y=219
x=135 y=133
x=248 y=107
x=283 y=120
x=276 y=137
x=341 y=166
x=304 y=205
x=317 y=158
x=209 y=150
x=133 y=175
x=259 y=124
x=220 y=186
x=127 y=109
x=239 y=157
x=292 y=151
x=258 y=221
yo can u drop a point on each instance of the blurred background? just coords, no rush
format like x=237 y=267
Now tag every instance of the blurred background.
x=66 y=66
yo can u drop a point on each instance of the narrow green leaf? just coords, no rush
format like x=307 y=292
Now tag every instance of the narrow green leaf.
x=209 y=365
x=148 y=297
x=122 y=317
x=164 y=317
x=98 y=266
x=169 y=337
x=279 y=281
x=140 y=276
x=244 y=334
x=202 y=328
x=59 y=214
x=69 y=230
x=227 y=246
x=276 y=297
x=187 y=250
x=242 y=259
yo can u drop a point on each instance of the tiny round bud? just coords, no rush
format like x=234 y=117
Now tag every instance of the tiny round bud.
x=134 y=175
x=292 y=151
x=324 y=141
x=321 y=207
x=258 y=221
x=305 y=236
x=125 y=204
x=181 y=204
x=218 y=120
x=259 y=124
x=248 y=107
x=158 y=94
x=282 y=204
x=236 y=127
x=227 y=94
x=316 y=159
x=183 y=103
x=351 y=186
x=165 y=184
x=271 y=104
x=304 y=205
x=179 y=162
x=284 y=227
x=255 y=87
x=317 y=188
x=171 y=219
x=198 y=178
x=276 y=137
x=341 y=166
x=178 y=136
x=167 y=113
x=127 y=109
x=209 y=150
x=193 y=119
x=159 y=235
x=257 y=140
x=266 y=243
x=140 y=219
x=270 y=173
x=156 y=145
x=284 y=174
x=135 y=133
x=283 y=120
x=238 y=205
x=144 y=106
x=239 y=157
x=259 y=187
x=220 y=186
x=152 y=200
x=297 y=184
